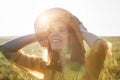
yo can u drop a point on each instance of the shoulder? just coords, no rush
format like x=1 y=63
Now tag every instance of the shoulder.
x=101 y=45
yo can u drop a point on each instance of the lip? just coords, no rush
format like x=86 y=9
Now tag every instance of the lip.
x=55 y=40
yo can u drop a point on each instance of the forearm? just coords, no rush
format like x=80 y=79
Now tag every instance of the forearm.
x=91 y=40
x=18 y=43
x=89 y=37
x=30 y=62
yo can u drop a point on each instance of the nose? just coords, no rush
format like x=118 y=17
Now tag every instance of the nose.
x=54 y=33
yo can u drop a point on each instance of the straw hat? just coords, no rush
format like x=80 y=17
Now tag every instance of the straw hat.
x=56 y=14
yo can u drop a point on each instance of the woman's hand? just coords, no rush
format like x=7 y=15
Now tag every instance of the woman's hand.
x=42 y=35
x=44 y=43
x=82 y=28
x=87 y=36
x=41 y=31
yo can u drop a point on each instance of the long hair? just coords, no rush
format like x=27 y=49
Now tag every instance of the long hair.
x=75 y=36
x=76 y=48
x=77 y=55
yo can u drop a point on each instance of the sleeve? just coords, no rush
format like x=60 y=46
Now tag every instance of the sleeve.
x=99 y=49
x=11 y=50
x=31 y=62
x=93 y=40
x=95 y=58
x=88 y=36
x=18 y=43
x=24 y=60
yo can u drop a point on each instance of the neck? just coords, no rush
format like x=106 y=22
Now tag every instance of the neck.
x=65 y=56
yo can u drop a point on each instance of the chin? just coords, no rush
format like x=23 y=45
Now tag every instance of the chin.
x=56 y=48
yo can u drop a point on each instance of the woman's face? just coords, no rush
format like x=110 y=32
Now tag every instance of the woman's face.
x=58 y=36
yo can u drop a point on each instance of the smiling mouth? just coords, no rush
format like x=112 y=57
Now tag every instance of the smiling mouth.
x=56 y=40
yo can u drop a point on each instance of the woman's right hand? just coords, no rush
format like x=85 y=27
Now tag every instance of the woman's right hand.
x=42 y=35
x=41 y=32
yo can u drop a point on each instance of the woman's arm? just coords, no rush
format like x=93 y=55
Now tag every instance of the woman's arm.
x=87 y=36
x=18 y=43
x=99 y=49
x=93 y=40
x=10 y=48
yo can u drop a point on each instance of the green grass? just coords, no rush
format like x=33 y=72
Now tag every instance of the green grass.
x=10 y=72
x=111 y=70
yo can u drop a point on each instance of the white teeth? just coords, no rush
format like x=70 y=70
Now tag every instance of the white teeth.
x=55 y=40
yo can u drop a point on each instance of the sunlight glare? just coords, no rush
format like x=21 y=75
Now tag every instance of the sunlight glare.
x=45 y=54
x=43 y=22
x=36 y=74
x=44 y=19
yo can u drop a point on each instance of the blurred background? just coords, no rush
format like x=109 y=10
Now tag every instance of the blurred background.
x=101 y=17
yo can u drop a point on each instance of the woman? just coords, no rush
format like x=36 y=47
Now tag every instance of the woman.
x=63 y=35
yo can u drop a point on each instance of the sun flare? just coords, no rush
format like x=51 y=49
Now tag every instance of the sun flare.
x=36 y=74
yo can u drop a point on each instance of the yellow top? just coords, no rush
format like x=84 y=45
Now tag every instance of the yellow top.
x=90 y=71
x=69 y=74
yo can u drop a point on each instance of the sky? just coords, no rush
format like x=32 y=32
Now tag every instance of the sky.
x=101 y=17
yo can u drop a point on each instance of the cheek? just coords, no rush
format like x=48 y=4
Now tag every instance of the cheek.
x=66 y=39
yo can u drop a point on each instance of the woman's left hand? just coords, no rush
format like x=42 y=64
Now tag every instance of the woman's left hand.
x=82 y=27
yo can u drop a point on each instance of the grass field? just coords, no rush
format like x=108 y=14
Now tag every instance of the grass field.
x=111 y=70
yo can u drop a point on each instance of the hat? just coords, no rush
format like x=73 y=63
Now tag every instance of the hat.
x=57 y=14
